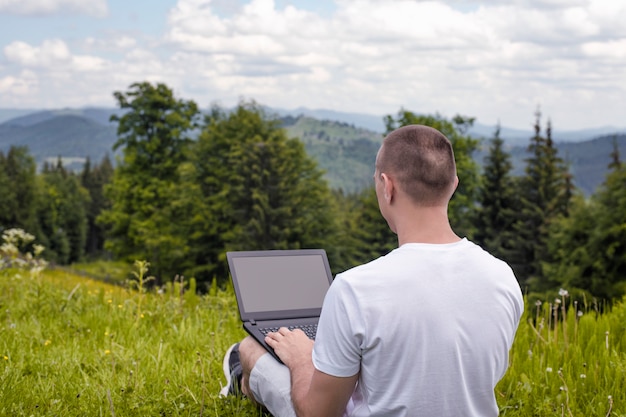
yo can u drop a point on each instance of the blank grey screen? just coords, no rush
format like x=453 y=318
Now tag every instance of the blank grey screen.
x=281 y=282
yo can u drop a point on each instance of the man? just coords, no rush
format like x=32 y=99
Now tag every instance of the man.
x=422 y=331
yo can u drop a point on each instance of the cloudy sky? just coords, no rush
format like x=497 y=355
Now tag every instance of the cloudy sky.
x=496 y=60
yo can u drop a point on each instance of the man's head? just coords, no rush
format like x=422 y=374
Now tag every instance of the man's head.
x=420 y=162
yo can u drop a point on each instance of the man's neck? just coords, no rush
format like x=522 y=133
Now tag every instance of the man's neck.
x=426 y=225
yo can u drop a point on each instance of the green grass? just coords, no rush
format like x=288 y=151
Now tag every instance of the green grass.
x=114 y=272
x=71 y=346
x=574 y=368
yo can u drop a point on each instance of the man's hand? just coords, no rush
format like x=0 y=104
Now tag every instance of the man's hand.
x=314 y=393
x=294 y=348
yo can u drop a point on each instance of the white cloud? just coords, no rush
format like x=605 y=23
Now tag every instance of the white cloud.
x=22 y=88
x=51 y=53
x=96 y=8
x=116 y=43
x=494 y=59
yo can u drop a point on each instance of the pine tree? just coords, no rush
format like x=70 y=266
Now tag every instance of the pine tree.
x=616 y=162
x=94 y=180
x=588 y=247
x=18 y=190
x=544 y=195
x=374 y=236
x=61 y=214
x=497 y=202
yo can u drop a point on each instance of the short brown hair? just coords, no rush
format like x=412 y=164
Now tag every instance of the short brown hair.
x=421 y=161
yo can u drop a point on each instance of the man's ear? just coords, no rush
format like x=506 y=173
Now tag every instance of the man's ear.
x=388 y=187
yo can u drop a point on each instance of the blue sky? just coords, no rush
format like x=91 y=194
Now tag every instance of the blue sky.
x=496 y=60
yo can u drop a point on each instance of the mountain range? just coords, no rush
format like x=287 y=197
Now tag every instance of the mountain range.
x=344 y=144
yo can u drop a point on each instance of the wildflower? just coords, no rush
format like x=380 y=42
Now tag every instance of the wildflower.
x=583 y=376
x=10 y=249
x=120 y=306
x=6 y=358
x=109 y=301
x=580 y=313
x=37 y=249
x=548 y=369
x=107 y=352
x=563 y=293
x=538 y=303
x=47 y=342
x=557 y=301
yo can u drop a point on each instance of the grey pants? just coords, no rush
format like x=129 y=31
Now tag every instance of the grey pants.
x=270 y=383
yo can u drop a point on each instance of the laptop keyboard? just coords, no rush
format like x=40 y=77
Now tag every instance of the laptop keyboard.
x=309 y=329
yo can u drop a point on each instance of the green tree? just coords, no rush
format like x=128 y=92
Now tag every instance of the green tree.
x=616 y=162
x=497 y=202
x=154 y=133
x=462 y=205
x=608 y=243
x=61 y=213
x=572 y=257
x=94 y=180
x=544 y=193
x=257 y=190
x=350 y=248
x=588 y=247
x=374 y=237
x=18 y=189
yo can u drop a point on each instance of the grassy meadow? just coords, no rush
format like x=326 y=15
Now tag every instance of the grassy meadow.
x=73 y=346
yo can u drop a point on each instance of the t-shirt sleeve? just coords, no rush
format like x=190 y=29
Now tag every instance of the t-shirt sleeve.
x=337 y=349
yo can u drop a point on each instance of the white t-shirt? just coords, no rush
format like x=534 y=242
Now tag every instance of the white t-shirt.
x=429 y=327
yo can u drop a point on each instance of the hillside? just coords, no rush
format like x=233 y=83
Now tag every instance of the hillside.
x=346 y=152
x=72 y=135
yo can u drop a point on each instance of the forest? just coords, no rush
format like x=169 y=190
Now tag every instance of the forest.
x=190 y=186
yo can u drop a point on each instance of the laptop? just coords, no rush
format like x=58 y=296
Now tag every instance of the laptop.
x=279 y=288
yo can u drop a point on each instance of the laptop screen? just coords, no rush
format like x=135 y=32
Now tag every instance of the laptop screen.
x=269 y=281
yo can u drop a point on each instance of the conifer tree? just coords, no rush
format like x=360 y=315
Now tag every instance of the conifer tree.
x=374 y=236
x=94 y=180
x=588 y=248
x=353 y=242
x=18 y=190
x=497 y=202
x=544 y=195
x=61 y=214
x=256 y=189
x=616 y=162
x=608 y=241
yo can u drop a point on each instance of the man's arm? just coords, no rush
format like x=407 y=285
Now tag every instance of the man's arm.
x=313 y=393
